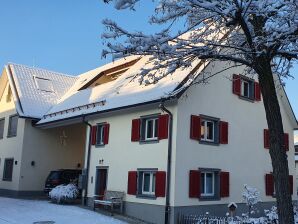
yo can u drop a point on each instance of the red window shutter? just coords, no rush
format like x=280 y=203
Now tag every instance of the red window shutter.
x=269 y=184
x=132 y=182
x=224 y=184
x=266 y=139
x=93 y=135
x=195 y=127
x=223 y=132
x=135 y=130
x=160 y=184
x=291 y=184
x=257 y=92
x=286 y=139
x=236 y=84
x=194 y=184
x=106 y=132
x=163 y=126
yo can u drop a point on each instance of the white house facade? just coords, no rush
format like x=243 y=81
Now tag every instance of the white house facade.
x=174 y=147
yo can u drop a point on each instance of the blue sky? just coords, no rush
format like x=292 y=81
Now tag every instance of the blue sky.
x=65 y=35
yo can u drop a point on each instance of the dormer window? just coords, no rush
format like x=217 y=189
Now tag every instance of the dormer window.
x=44 y=84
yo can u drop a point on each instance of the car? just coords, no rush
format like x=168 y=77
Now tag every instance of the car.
x=61 y=176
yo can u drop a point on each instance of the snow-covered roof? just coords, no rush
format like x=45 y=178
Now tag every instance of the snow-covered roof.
x=37 y=90
x=122 y=92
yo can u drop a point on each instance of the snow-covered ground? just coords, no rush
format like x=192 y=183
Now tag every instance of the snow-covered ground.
x=16 y=211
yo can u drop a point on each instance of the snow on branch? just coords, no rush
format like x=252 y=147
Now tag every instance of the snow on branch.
x=241 y=31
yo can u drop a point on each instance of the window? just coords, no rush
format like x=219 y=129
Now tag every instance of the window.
x=9 y=95
x=8 y=168
x=207 y=184
x=100 y=135
x=246 y=88
x=2 y=122
x=13 y=126
x=44 y=84
x=210 y=184
x=148 y=183
x=151 y=129
x=207 y=130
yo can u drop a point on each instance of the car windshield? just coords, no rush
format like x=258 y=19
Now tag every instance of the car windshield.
x=54 y=175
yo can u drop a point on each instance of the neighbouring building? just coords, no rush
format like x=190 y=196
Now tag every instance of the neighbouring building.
x=171 y=143
x=28 y=154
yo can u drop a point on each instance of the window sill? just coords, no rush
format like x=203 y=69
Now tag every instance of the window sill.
x=209 y=198
x=11 y=136
x=208 y=143
x=100 y=146
x=6 y=179
x=149 y=141
x=144 y=196
x=247 y=99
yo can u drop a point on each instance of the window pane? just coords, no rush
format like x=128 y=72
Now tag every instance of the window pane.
x=203 y=130
x=1 y=128
x=99 y=135
x=153 y=182
x=149 y=128
x=202 y=183
x=245 y=88
x=12 y=127
x=8 y=168
x=155 y=128
x=210 y=127
x=209 y=183
x=146 y=182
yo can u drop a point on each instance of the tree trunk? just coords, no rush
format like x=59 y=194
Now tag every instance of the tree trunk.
x=277 y=146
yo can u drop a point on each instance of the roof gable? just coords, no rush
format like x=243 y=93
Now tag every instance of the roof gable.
x=37 y=90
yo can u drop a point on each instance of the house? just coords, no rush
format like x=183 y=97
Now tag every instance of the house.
x=173 y=146
x=28 y=154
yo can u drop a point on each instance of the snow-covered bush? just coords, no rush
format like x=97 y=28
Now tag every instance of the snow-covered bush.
x=64 y=193
x=251 y=196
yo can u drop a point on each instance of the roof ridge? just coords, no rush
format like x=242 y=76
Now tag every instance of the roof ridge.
x=43 y=69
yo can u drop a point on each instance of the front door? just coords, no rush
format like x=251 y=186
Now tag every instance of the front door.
x=101 y=182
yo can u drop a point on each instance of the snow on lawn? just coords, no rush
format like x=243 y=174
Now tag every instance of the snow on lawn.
x=18 y=211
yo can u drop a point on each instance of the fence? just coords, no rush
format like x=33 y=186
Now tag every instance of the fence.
x=201 y=219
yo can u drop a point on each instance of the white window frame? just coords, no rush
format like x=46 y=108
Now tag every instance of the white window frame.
x=242 y=88
x=205 y=184
x=205 y=134
x=152 y=182
x=100 y=127
x=154 y=134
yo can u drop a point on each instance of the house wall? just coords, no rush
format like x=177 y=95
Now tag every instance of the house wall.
x=10 y=147
x=121 y=155
x=244 y=156
x=50 y=149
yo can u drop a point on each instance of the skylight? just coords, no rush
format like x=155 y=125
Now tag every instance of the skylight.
x=44 y=84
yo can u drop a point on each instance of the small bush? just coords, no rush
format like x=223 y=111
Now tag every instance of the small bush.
x=64 y=193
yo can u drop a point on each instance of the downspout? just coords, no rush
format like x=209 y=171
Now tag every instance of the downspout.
x=169 y=163
x=88 y=162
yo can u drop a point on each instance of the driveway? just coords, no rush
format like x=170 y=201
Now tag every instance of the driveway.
x=17 y=211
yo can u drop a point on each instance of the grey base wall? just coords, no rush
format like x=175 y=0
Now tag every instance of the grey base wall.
x=21 y=194
x=156 y=213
